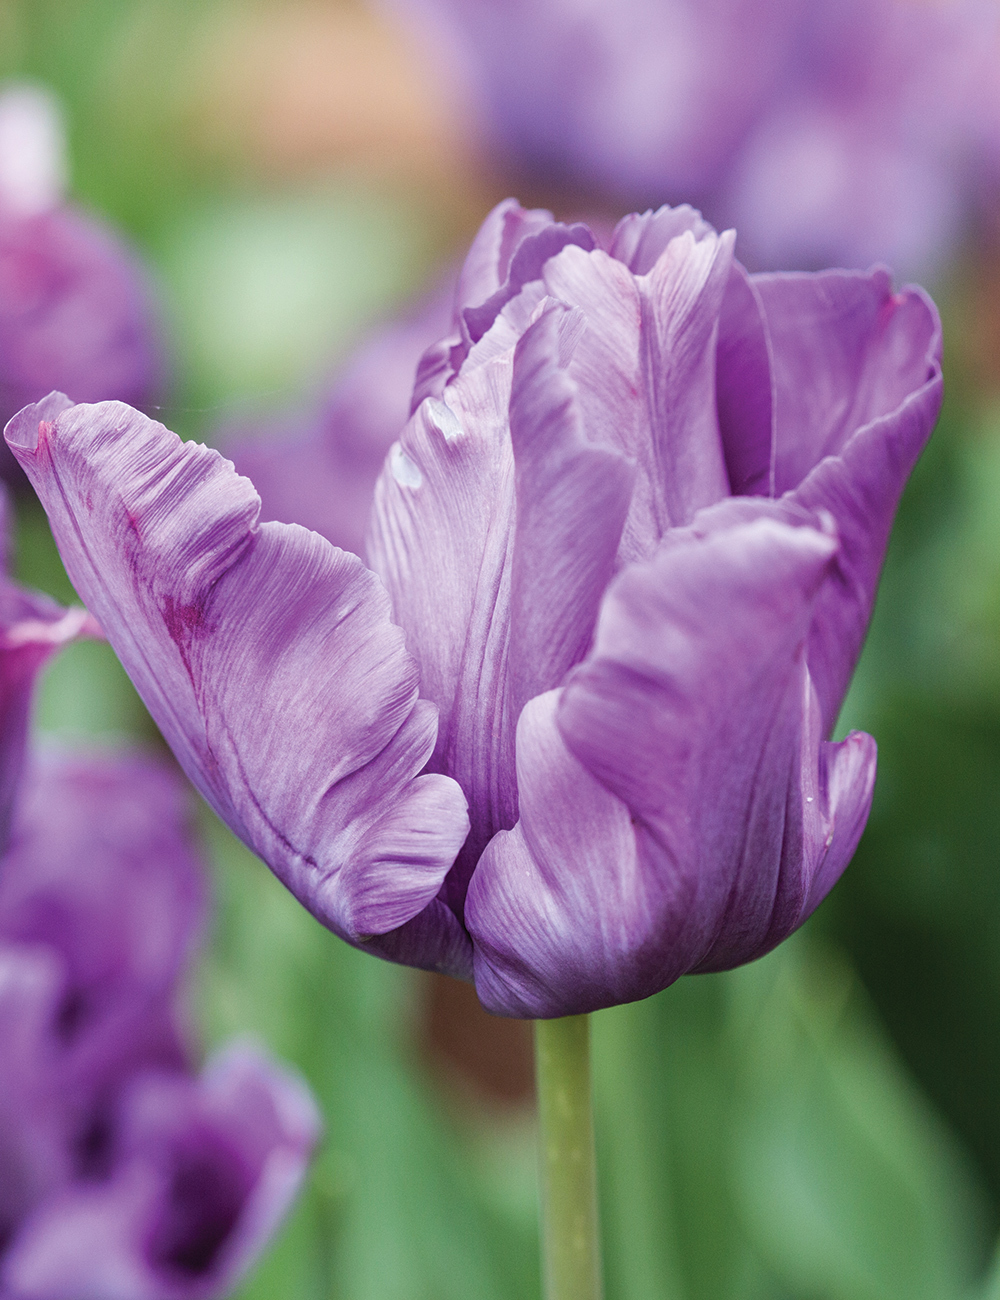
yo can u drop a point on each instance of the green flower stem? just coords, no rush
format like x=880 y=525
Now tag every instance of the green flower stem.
x=571 y=1253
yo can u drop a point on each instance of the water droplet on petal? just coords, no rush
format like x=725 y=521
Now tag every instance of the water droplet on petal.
x=404 y=471
x=444 y=419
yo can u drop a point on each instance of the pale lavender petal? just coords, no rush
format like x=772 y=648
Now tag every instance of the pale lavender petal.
x=641 y=238
x=744 y=388
x=645 y=370
x=846 y=350
x=858 y=373
x=526 y=265
x=508 y=253
x=243 y=640
x=488 y=260
x=208 y=1168
x=572 y=500
x=441 y=540
x=694 y=714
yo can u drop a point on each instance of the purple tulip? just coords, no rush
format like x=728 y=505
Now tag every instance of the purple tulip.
x=838 y=133
x=76 y=307
x=122 y=1175
x=568 y=734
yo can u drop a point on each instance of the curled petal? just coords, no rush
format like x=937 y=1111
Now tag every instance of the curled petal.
x=859 y=372
x=694 y=792
x=640 y=238
x=846 y=351
x=526 y=266
x=266 y=656
x=487 y=263
x=644 y=367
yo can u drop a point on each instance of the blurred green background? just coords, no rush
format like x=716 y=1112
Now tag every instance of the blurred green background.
x=823 y=1125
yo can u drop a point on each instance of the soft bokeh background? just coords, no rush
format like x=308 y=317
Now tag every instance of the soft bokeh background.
x=823 y=1125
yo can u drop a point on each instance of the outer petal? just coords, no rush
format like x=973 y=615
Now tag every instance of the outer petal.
x=858 y=392
x=846 y=351
x=208 y=1169
x=693 y=716
x=242 y=640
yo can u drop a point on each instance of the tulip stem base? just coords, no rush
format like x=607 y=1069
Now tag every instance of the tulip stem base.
x=571 y=1254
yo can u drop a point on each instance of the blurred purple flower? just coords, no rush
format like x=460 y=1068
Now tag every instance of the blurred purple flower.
x=827 y=134
x=631 y=536
x=121 y=1173
x=76 y=308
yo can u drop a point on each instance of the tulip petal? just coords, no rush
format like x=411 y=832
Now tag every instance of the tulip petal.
x=572 y=501
x=744 y=388
x=242 y=640
x=846 y=351
x=554 y=901
x=441 y=540
x=870 y=440
x=647 y=361
x=487 y=262
x=641 y=238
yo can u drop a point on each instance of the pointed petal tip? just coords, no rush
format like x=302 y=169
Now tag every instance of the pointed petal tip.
x=23 y=431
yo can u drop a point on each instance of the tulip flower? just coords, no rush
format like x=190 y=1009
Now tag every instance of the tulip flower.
x=122 y=1172
x=568 y=734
